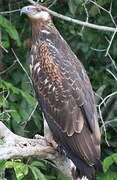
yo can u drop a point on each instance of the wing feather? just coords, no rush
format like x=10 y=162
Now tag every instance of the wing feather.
x=67 y=99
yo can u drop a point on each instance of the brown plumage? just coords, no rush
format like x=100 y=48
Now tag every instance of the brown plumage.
x=64 y=93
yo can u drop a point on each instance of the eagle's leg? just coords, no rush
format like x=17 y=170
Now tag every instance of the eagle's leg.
x=48 y=135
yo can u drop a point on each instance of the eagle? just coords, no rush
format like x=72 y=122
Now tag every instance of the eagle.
x=64 y=93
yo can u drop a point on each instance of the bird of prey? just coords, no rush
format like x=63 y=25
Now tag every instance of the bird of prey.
x=64 y=93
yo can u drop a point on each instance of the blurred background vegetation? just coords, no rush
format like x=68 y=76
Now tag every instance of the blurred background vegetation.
x=18 y=106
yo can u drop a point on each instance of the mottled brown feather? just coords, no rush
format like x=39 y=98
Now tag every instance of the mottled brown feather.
x=64 y=92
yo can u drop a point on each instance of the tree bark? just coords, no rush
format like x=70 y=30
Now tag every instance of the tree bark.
x=13 y=146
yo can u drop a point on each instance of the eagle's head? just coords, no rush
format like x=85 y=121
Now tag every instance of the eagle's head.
x=36 y=12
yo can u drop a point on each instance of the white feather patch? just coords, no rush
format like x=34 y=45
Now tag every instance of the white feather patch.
x=52 y=46
x=46 y=81
x=72 y=164
x=53 y=89
x=36 y=66
x=45 y=31
x=31 y=68
x=32 y=59
x=50 y=85
x=41 y=15
x=38 y=69
x=34 y=49
x=48 y=40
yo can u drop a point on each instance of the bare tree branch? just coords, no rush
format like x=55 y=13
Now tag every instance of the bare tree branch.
x=14 y=146
x=76 y=21
x=9 y=12
x=110 y=42
x=3 y=48
x=69 y=19
x=100 y=114
x=90 y=25
x=108 y=70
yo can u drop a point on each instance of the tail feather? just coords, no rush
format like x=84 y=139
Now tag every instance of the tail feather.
x=82 y=169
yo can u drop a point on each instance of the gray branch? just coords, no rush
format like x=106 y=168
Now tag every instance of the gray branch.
x=86 y=24
x=14 y=146
x=76 y=21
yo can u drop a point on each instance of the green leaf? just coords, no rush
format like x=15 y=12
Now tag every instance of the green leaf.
x=39 y=125
x=21 y=170
x=10 y=29
x=109 y=176
x=114 y=156
x=62 y=176
x=51 y=177
x=72 y=6
x=15 y=114
x=38 y=164
x=5 y=41
x=28 y=97
x=31 y=100
x=37 y=173
x=109 y=161
x=9 y=164
x=95 y=10
x=20 y=101
x=2 y=166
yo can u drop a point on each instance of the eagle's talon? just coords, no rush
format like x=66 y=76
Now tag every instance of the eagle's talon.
x=49 y=140
x=52 y=142
x=37 y=136
x=61 y=150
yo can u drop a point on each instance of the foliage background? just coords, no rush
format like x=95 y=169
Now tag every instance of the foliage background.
x=18 y=106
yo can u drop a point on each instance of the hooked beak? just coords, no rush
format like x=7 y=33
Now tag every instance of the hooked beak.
x=24 y=10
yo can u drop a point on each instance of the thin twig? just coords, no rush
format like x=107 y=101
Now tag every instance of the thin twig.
x=5 y=96
x=6 y=70
x=100 y=113
x=87 y=17
x=99 y=50
x=9 y=12
x=108 y=70
x=109 y=122
x=53 y=3
x=110 y=42
x=32 y=2
x=3 y=48
x=103 y=124
x=113 y=62
x=110 y=13
x=100 y=97
x=32 y=111
x=22 y=66
x=110 y=95
x=98 y=6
